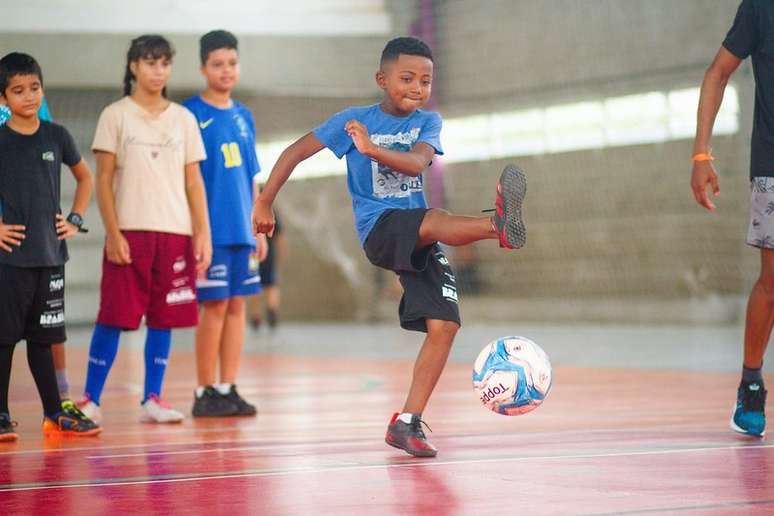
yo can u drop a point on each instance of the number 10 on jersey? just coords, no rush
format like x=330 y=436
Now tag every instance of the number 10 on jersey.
x=231 y=154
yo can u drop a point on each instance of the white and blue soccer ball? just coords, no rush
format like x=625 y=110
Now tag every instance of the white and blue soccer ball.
x=512 y=376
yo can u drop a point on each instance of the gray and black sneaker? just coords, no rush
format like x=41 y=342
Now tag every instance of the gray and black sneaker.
x=409 y=437
x=507 y=220
x=212 y=404
x=7 y=428
x=243 y=407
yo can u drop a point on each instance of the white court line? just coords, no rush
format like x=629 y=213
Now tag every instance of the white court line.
x=313 y=443
x=359 y=467
x=275 y=447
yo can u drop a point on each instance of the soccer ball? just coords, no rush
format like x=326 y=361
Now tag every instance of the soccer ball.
x=512 y=376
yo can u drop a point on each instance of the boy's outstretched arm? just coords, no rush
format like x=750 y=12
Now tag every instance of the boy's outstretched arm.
x=83 y=189
x=298 y=151
x=712 y=88
x=411 y=163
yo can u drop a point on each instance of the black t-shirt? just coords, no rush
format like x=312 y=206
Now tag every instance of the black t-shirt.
x=752 y=34
x=30 y=172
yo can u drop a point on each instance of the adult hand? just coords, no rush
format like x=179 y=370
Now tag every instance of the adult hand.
x=263 y=218
x=704 y=175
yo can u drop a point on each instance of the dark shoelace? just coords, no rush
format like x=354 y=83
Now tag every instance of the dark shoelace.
x=416 y=426
x=754 y=400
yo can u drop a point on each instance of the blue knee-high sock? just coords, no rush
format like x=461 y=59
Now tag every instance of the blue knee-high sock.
x=102 y=352
x=157 y=345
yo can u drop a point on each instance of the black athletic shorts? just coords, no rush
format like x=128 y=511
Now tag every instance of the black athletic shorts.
x=32 y=305
x=429 y=286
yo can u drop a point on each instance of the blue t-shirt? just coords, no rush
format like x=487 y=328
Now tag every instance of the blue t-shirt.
x=374 y=187
x=228 y=171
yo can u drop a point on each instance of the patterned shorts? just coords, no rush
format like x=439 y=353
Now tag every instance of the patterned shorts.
x=761 y=230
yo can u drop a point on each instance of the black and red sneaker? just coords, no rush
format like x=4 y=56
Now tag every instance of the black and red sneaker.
x=409 y=437
x=507 y=220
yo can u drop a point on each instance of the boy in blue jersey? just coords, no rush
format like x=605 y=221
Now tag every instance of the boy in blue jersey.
x=388 y=146
x=228 y=131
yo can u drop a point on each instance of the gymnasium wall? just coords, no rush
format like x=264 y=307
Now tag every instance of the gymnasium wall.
x=614 y=234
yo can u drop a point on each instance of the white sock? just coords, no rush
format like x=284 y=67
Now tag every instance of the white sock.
x=199 y=391
x=223 y=388
x=406 y=417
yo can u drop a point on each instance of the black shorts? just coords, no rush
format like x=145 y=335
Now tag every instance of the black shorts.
x=429 y=286
x=32 y=305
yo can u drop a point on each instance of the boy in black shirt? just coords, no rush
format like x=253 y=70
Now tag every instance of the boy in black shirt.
x=32 y=247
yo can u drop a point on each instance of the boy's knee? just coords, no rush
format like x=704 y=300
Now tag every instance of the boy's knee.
x=446 y=329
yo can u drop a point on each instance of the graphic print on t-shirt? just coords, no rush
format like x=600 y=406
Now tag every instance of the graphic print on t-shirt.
x=388 y=182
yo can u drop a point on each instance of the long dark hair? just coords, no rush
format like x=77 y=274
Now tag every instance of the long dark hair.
x=147 y=46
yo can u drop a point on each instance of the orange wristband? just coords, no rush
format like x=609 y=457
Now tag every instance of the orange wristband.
x=703 y=156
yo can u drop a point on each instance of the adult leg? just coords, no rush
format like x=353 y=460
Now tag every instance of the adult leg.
x=273 y=304
x=760 y=313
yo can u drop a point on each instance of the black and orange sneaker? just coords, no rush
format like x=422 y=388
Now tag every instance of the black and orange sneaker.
x=409 y=437
x=7 y=428
x=70 y=421
x=507 y=220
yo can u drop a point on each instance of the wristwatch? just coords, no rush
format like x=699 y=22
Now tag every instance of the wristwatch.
x=76 y=220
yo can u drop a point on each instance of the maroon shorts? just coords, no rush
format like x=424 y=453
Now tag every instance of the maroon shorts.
x=159 y=284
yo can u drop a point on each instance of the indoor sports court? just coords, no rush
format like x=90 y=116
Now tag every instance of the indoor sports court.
x=636 y=294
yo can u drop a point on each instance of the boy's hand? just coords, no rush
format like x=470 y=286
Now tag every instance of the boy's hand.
x=261 y=247
x=117 y=249
x=704 y=175
x=263 y=218
x=10 y=234
x=359 y=134
x=64 y=229
x=202 y=248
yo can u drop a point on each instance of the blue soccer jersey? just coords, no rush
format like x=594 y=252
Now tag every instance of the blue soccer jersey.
x=228 y=171
x=375 y=187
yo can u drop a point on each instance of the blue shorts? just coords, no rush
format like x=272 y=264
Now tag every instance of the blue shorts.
x=233 y=272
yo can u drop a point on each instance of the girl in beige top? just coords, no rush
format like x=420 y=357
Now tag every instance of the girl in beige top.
x=153 y=205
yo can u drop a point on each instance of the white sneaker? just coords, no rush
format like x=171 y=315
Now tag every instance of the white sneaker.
x=156 y=411
x=90 y=409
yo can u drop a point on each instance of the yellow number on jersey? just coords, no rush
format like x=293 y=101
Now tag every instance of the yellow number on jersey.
x=231 y=154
